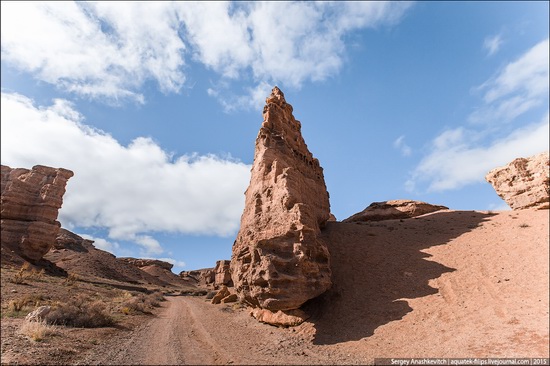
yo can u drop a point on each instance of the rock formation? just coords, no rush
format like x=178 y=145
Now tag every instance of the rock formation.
x=221 y=294
x=523 y=183
x=200 y=277
x=30 y=201
x=141 y=263
x=223 y=273
x=79 y=256
x=289 y=318
x=279 y=261
x=395 y=209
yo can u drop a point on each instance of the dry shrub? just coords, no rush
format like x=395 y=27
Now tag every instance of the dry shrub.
x=18 y=305
x=140 y=303
x=26 y=272
x=80 y=313
x=158 y=296
x=71 y=279
x=36 y=331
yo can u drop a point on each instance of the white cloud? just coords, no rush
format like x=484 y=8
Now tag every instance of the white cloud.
x=456 y=162
x=492 y=44
x=133 y=191
x=463 y=155
x=67 y=44
x=110 y=49
x=520 y=86
x=253 y=97
x=102 y=244
x=400 y=144
x=173 y=261
x=285 y=43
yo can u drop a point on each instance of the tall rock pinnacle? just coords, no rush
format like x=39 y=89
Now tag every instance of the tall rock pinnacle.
x=279 y=261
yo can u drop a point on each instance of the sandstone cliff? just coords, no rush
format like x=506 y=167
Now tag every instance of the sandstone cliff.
x=523 y=183
x=278 y=259
x=30 y=201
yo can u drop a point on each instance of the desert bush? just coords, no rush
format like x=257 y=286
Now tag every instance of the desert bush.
x=36 y=331
x=71 y=279
x=140 y=303
x=158 y=296
x=80 y=313
x=23 y=274
x=21 y=305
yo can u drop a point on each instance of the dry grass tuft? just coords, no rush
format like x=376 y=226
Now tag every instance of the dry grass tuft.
x=21 y=306
x=140 y=303
x=36 y=331
x=71 y=279
x=27 y=272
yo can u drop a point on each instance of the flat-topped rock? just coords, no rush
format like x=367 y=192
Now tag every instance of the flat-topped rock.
x=30 y=202
x=140 y=263
x=394 y=209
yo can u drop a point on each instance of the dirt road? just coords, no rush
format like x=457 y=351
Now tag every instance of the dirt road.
x=188 y=330
x=174 y=337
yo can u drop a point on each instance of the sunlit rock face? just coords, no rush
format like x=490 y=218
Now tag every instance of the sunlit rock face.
x=523 y=183
x=30 y=201
x=394 y=209
x=279 y=260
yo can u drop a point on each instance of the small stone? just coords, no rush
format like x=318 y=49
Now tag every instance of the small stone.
x=39 y=314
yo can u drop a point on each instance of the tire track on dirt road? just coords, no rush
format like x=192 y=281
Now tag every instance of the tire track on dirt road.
x=173 y=337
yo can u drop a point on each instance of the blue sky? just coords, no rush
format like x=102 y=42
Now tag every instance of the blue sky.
x=156 y=107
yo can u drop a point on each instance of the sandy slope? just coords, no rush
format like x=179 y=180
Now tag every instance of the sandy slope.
x=447 y=284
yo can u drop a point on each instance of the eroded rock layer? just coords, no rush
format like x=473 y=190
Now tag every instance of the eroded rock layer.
x=279 y=260
x=394 y=209
x=140 y=263
x=30 y=201
x=523 y=183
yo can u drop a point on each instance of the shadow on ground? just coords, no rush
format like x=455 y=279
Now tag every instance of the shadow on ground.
x=375 y=266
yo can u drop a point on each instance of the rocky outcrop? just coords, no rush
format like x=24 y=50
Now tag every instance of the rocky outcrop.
x=289 y=318
x=38 y=314
x=523 y=183
x=221 y=294
x=140 y=263
x=79 y=256
x=30 y=201
x=394 y=209
x=200 y=277
x=279 y=260
x=223 y=273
